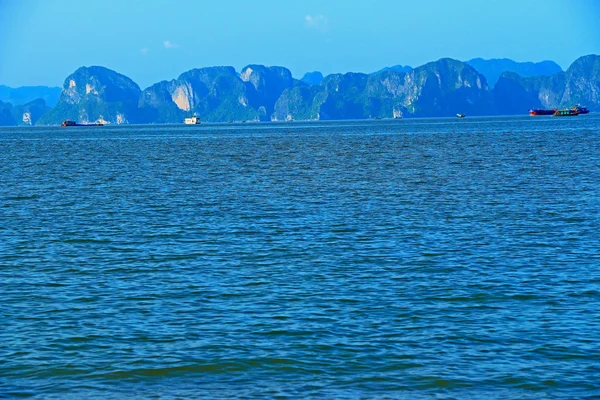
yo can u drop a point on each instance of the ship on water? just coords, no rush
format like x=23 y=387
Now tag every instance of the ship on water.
x=68 y=122
x=581 y=110
x=576 y=110
x=566 y=113
x=534 y=112
x=192 y=121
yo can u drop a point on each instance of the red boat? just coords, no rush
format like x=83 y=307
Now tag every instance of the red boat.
x=535 y=112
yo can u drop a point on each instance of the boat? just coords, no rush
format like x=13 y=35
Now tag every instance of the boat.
x=581 y=110
x=566 y=113
x=192 y=121
x=460 y=115
x=540 y=111
x=68 y=122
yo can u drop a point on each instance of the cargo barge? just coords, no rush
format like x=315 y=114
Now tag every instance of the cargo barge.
x=537 y=112
x=566 y=113
x=68 y=122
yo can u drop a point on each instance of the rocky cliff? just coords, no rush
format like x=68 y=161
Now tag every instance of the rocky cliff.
x=28 y=114
x=446 y=87
x=438 y=89
x=580 y=84
x=96 y=94
x=214 y=94
x=441 y=88
x=217 y=94
x=268 y=83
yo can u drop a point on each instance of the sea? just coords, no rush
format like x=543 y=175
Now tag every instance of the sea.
x=389 y=259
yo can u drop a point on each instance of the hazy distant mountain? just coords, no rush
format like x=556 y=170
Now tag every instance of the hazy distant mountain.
x=492 y=69
x=437 y=89
x=96 y=94
x=25 y=94
x=580 y=84
x=30 y=113
x=396 y=68
x=312 y=78
x=6 y=117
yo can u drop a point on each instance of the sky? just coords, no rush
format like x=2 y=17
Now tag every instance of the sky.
x=43 y=41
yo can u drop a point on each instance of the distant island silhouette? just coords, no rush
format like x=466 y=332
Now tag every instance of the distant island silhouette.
x=442 y=88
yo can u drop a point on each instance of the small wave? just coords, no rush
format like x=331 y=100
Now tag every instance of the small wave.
x=23 y=198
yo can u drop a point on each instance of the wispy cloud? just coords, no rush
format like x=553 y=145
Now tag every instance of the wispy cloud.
x=170 y=45
x=144 y=51
x=317 y=22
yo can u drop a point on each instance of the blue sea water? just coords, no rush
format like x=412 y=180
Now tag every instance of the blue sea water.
x=413 y=259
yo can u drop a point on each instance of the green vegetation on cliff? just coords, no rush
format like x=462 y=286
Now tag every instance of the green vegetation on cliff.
x=441 y=88
x=96 y=94
x=580 y=84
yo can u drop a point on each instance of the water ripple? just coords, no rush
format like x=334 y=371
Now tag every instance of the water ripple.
x=387 y=259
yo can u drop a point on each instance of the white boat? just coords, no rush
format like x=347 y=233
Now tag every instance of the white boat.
x=192 y=121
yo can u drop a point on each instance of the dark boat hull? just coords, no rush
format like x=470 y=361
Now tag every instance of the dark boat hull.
x=69 y=123
x=539 y=112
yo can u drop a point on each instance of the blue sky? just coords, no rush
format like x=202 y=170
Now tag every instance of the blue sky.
x=42 y=41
